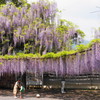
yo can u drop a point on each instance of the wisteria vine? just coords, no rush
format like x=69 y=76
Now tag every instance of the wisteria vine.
x=84 y=63
x=32 y=29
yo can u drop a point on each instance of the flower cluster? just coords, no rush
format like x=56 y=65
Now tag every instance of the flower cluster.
x=32 y=29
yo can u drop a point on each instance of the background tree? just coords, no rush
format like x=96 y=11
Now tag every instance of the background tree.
x=16 y=2
x=2 y=2
x=33 y=29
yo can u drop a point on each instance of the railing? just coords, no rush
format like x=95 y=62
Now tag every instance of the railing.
x=75 y=82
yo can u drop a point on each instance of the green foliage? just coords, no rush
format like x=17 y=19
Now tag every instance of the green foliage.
x=64 y=53
x=37 y=55
x=10 y=48
x=30 y=55
x=6 y=40
x=62 y=29
x=81 y=47
x=27 y=47
x=16 y=2
x=80 y=32
x=69 y=24
x=94 y=41
x=48 y=55
x=1 y=63
x=2 y=2
x=8 y=57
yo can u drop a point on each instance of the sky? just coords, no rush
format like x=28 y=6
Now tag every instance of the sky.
x=84 y=13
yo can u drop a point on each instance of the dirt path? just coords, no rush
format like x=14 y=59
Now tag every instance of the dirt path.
x=54 y=95
x=26 y=98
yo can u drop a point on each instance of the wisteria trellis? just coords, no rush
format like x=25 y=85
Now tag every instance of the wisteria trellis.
x=33 y=29
x=87 y=62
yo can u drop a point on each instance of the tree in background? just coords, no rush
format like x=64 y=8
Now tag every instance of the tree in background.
x=34 y=30
x=16 y=2
x=69 y=34
x=2 y=2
